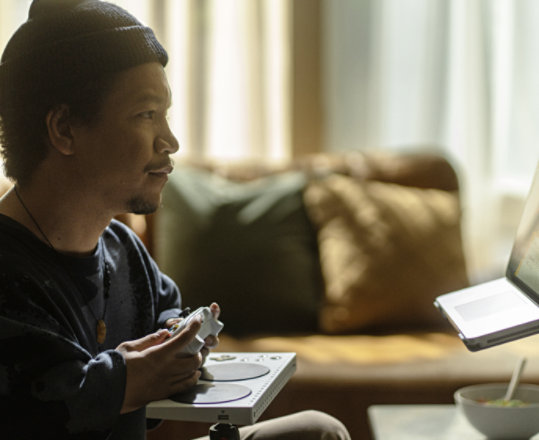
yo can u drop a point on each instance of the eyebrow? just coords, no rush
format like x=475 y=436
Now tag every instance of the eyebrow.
x=152 y=98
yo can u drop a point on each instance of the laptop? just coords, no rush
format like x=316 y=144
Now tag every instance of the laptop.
x=507 y=308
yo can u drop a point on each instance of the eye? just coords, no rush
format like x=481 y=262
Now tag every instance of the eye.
x=149 y=114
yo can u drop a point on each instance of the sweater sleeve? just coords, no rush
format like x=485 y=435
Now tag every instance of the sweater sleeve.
x=48 y=382
x=168 y=303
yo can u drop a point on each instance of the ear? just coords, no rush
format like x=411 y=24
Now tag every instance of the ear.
x=59 y=129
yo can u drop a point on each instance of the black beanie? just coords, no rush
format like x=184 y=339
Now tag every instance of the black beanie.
x=68 y=42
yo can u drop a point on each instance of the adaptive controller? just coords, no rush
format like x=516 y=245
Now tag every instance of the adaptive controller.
x=210 y=326
x=217 y=397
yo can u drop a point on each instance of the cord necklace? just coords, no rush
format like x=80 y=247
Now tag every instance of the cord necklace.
x=101 y=327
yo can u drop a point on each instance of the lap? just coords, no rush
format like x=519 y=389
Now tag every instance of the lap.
x=307 y=425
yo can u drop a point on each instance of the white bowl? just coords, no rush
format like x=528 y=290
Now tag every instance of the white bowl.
x=500 y=422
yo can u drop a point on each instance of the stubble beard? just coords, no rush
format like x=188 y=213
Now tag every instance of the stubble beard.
x=138 y=205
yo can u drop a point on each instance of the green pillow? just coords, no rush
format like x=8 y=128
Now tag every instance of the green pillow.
x=247 y=245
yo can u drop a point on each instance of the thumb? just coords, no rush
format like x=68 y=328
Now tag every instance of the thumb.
x=145 y=342
x=184 y=336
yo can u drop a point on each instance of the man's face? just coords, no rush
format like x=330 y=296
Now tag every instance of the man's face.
x=124 y=156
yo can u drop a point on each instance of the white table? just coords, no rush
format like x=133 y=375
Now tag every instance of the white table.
x=421 y=422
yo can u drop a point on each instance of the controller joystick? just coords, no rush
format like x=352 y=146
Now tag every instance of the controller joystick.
x=210 y=326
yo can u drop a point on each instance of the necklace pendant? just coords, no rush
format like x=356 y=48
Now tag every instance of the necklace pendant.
x=101 y=331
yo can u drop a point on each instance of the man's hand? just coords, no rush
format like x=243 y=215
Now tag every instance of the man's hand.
x=211 y=341
x=156 y=367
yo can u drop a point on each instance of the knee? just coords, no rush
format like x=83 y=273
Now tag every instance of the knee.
x=324 y=427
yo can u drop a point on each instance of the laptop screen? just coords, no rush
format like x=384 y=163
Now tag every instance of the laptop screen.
x=523 y=267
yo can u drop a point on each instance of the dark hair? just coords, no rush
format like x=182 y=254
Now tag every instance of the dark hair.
x=23 y=130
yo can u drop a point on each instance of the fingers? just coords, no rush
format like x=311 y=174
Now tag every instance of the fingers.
x=215 y=309
x=185 y=383
x=171 y=321
x=211 y=341
x=204 y=352
x=155 y=374
x=143 y=343
x=184 y=337
x=187 y=334
x=186 y=367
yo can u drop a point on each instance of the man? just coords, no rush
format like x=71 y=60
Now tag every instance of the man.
x=83 y=307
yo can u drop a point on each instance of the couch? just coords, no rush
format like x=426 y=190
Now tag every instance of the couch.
x=337 y=257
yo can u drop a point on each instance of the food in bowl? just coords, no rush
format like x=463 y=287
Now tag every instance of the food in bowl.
x=504 y=402
x=483 y=408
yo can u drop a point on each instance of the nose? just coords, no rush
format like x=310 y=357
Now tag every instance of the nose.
x=167 y=142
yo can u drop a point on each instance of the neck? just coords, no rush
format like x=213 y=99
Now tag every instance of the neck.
x=65 y=221
x=31 y=217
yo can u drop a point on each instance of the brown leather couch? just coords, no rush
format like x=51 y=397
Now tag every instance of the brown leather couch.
x=337 y=257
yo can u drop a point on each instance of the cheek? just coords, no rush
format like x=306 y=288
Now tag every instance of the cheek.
x=129 y=149
x=117 y=148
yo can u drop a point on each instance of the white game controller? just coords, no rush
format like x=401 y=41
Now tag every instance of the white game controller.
x=210 y=326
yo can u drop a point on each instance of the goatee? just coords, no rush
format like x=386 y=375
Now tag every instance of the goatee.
x=138 y=205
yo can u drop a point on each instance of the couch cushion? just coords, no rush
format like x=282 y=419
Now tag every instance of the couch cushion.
x=410 y=359
x=386 y=251
x=248 y=246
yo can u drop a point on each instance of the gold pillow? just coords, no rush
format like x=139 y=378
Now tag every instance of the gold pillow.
x=386 y=251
